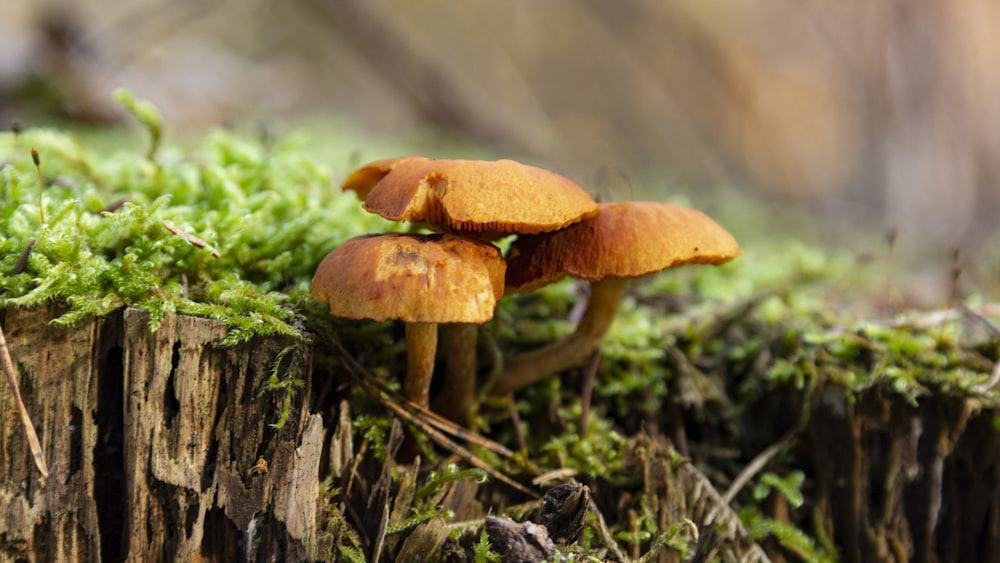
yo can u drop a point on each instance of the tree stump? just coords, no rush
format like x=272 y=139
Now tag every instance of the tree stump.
x=903 y=482
x=152 y=439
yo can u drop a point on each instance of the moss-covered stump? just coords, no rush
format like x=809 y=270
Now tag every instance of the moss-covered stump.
x=152 y=441
x=903 y=481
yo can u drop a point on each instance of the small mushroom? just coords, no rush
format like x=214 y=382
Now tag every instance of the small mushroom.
x=481 y=199
x=420 y=279
x=624 y=240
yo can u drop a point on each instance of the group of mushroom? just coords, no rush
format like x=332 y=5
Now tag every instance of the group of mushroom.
x=455 y=278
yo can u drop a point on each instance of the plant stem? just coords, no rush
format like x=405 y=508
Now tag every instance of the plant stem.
x=421 y=345
x=527 y=368
x=459 y=391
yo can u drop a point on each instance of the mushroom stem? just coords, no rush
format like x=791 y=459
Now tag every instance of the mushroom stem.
x=459 y=391
x=573 y=350
x=421 y=345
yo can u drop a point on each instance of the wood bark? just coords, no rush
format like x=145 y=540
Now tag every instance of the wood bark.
x=907 y=482
x=150 y=439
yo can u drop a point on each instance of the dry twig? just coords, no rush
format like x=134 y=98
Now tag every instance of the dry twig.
x=430 y=423
x=191 y=239
x=29 y=428
x=755 y=466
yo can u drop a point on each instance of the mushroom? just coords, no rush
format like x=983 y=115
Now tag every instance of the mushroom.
x=362 y=180
x=486 y=200
x=422 y=280
x=624 y=240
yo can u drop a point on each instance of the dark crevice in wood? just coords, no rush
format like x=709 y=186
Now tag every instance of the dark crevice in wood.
x=262 y=544
x=108 y=455
x=223 y=540
x=171 y=406
x=40 y=536
x=189 y=519
x=218 y=421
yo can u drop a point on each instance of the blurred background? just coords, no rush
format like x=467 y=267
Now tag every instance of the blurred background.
x=858 y=117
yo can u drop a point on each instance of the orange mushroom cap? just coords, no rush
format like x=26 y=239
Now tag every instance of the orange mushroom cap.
x=415 y=278
x=479 y=198
x=365 y=178
x=625 y=240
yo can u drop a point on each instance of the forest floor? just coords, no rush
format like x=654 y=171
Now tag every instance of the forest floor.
x=792 y=404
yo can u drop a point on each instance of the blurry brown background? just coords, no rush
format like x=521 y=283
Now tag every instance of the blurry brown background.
x=882 y=114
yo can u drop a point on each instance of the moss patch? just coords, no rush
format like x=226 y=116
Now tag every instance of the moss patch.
x=231 y=229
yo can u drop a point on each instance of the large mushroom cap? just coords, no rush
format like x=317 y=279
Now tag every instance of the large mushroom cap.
x=415 y=278
x=624 y=240
x=484 y=199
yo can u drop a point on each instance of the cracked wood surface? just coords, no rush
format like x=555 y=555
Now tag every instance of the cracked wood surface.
x=150 y=438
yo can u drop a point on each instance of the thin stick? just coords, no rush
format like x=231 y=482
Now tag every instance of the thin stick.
x=191 y=239
x=515 y=419
x=411 y=410
x=41 y=184
x=980 y=313
x=956 y=273
x=29 y=428
x=588 y=390
x=430 y=423
x=992 y=381
x=890 y=245
x=15 y=128
x=22 y=260
x=755 y=466
x=601 y=527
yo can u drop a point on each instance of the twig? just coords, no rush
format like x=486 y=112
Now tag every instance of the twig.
x=29 y=428
x=494 y=374
x=661 y=541
x=515 y=420
x=992 y=381
x=431 y=424
x=454 y=448
x=409 y=410
x=956 y=274
x=41 y=185
x=555 y=475
x=933 y=318
x=890 y=245
x=755 y=466
x=22 y=260
x=588 y=390
x=980 y=315
x=378 y=499
x=601 y=527
x=191 y=239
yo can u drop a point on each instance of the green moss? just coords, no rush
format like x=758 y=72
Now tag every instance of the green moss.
x=231 y=229
x=481 y=551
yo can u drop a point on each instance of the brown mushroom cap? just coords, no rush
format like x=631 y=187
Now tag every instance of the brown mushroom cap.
x=365 y=178
x=625 y=240
x=484 y=199
x=415 y=278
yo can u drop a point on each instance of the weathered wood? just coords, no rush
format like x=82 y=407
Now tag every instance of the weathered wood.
x=150 y=439
x=59 y=373
x=903 y=482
